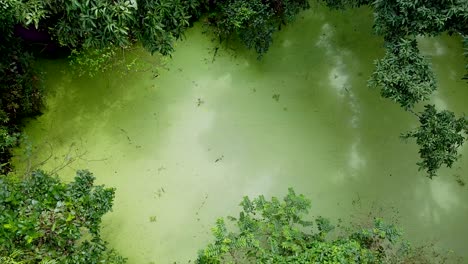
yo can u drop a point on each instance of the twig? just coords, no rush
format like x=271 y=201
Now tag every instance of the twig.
x=414 y=113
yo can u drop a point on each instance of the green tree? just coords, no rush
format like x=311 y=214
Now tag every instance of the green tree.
x=20 y=89
x=252 y=22
x=275 y=231
x=405 y=76
x=101 y=24
x=161 y=22
x=47 y=220
x=439 y=136
x=89 y=23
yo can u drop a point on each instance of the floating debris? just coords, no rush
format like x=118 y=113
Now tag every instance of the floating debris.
x=356 y=201
x=201 y=206
x=459 y=180
x=200 y=102
x=276 y=97
x=214 y=55
x=219 y=159
x=155 y=74
x=126 y=134
x=159 y=193
x=153 y=219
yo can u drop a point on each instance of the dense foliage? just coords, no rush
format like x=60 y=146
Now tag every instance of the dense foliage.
x=47 y=220
x=155 y=23
x=395 y=19
x=276 y=232
x=20 y=93
x=102 y=23
x=253 y=22
x=405 y=76
x=398 y=18
x=161 y=22
x=439 y=136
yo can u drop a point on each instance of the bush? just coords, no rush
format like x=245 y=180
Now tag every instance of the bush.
x=48 y=220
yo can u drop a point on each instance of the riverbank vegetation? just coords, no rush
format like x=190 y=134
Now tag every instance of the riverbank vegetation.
x=275 y=231
x=44 y=220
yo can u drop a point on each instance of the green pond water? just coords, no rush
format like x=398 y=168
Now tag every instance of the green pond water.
x=183 y=148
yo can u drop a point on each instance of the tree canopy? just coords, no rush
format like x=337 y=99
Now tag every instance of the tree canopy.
x=154 y=23
x=439 y=137
x=103 y=23
x=276 y=231
x=20 y=90
x=45 y=219
x=405 y=76
x=253 y=22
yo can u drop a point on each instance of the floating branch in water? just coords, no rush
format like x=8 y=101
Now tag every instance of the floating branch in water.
x=159 y=193
x=214 y=55
x=201 y=206
x=459 y=180
x=219 y=159
x=126 y=134
x=161 y=169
